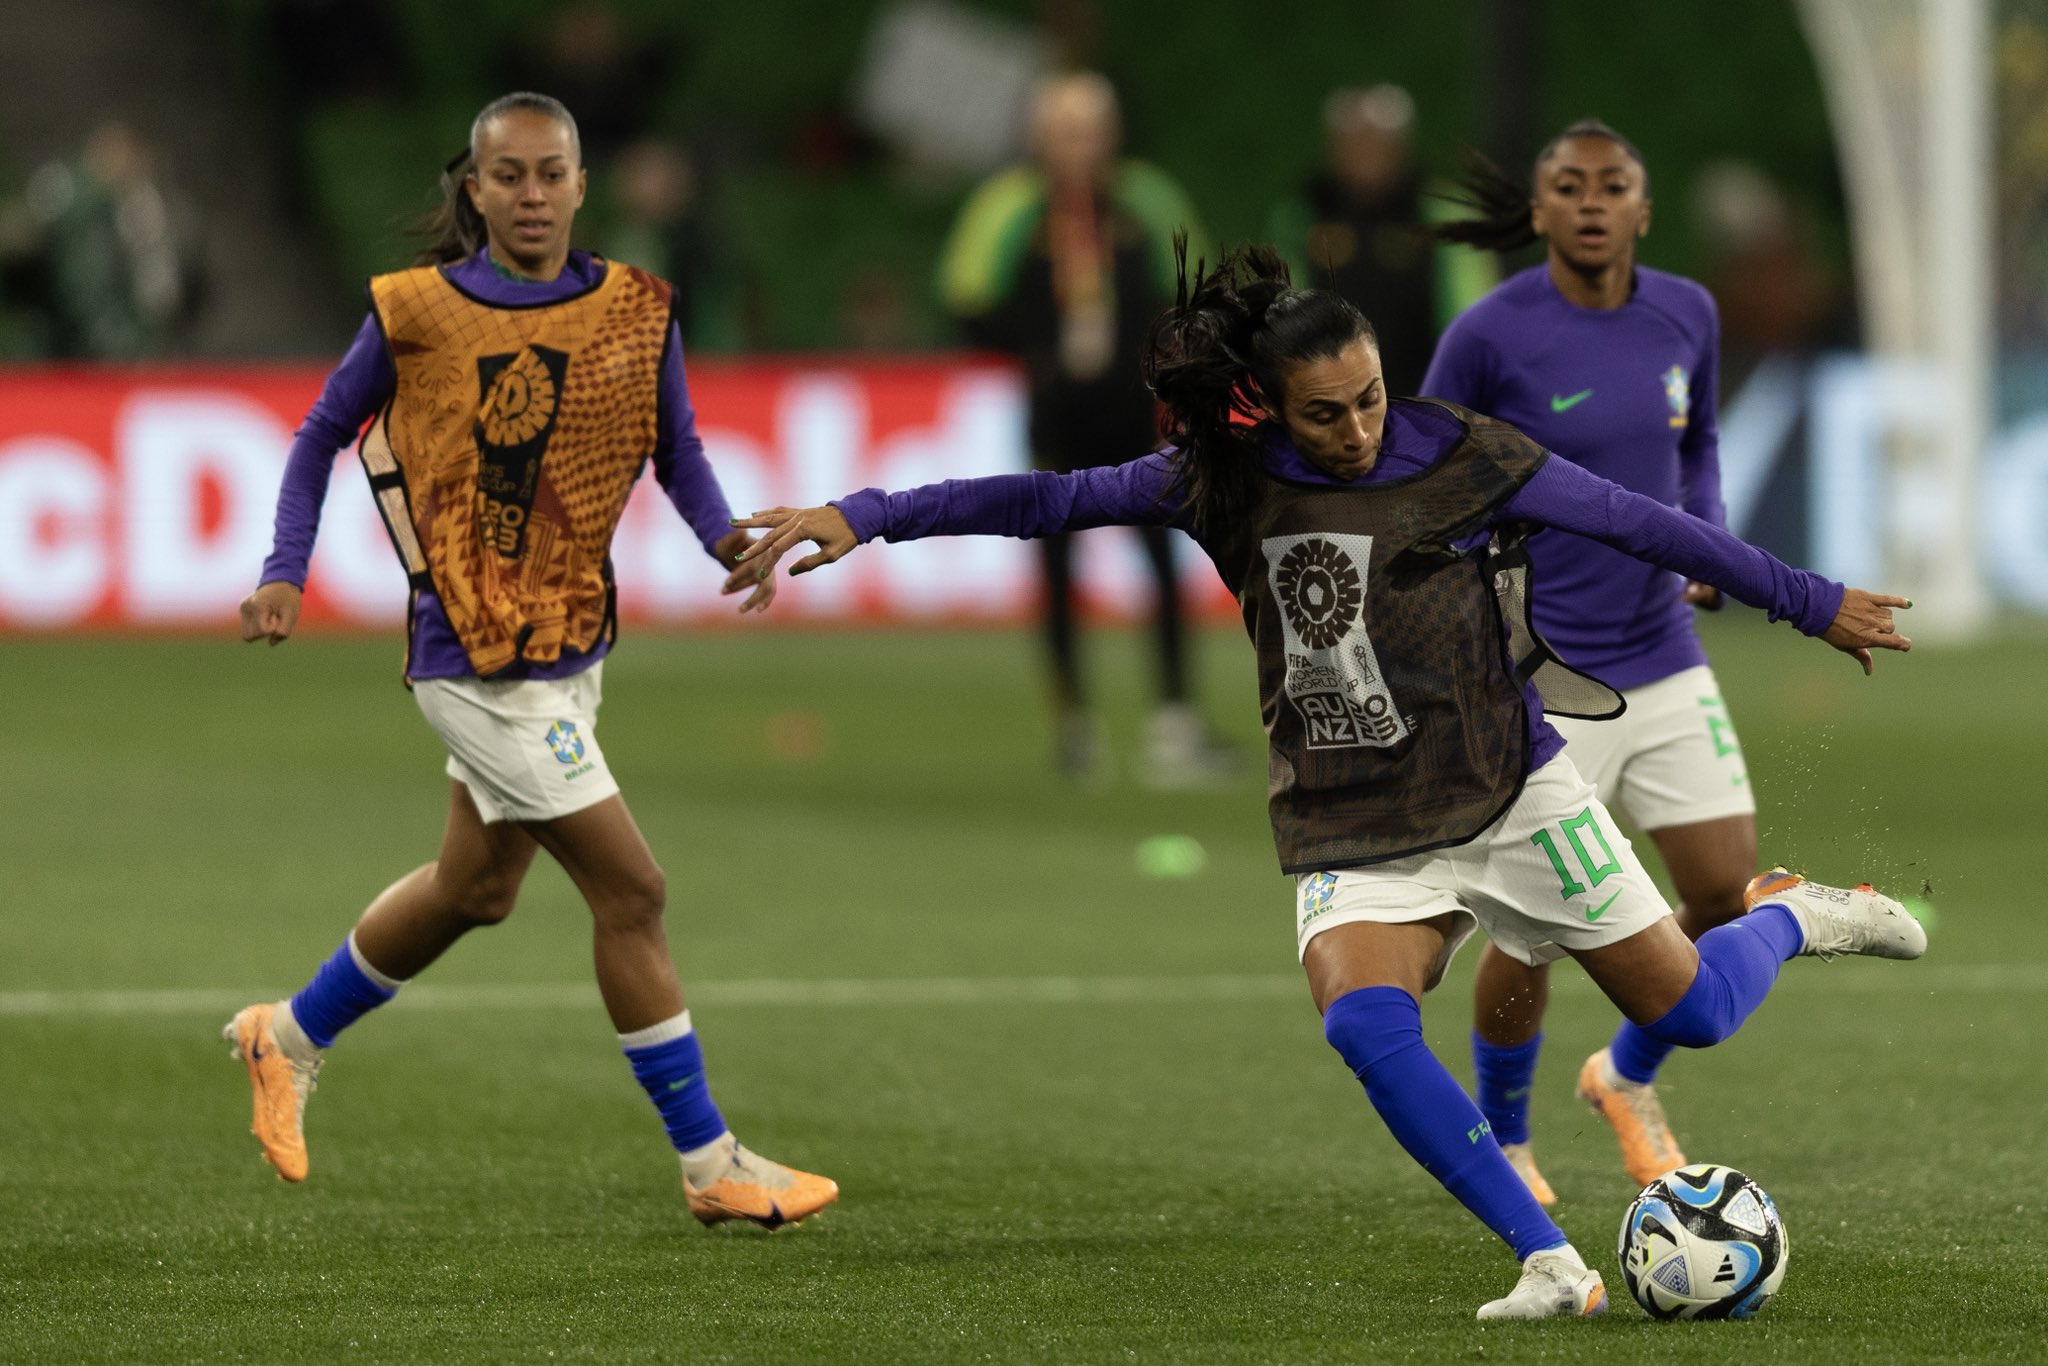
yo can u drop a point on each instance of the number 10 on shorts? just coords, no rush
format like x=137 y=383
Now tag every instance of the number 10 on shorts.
x=1596 y=870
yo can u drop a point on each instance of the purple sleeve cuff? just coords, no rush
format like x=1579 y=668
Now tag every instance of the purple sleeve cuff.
x=1570 y=498
x=359 y=386
x=679 y=462
x=866 y=512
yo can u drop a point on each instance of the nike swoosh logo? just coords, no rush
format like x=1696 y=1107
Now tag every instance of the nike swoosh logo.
x=1601 y=909
x=1560 y=404
x=679 y=1085
x=1518 y=1093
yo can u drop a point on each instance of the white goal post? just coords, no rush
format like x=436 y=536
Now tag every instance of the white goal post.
x=1909 y=87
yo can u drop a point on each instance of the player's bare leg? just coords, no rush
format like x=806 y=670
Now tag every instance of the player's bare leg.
x=1709 y=862
x=1509 y=998
x=475 y=881
x=601 y=849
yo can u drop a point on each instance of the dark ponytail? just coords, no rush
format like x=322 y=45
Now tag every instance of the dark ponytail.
x=1218 y=355
x=455 y=230
x=1502 y=201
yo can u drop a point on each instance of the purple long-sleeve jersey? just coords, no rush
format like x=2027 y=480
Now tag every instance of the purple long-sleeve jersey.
x=365 y=381
x=1562 y=495
x=1627 y=393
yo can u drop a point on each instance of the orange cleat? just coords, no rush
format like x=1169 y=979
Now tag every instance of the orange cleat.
x=1631 y=1109
x=760 y=1191
x=1769 y=887
x=279 y=1084
x=1523 y=1160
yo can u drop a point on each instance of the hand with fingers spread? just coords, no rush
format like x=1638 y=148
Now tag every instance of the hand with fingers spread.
x=1864 y=623
x=731 y=550
x=271 y=612
x=790 y=527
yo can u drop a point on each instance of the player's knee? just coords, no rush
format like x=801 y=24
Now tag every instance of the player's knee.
x=487 y=897
x=1710 y=902
x=636 y=903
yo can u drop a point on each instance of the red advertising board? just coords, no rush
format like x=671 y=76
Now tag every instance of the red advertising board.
x=145 y=498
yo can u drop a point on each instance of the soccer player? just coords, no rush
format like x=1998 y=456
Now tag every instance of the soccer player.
x=518 y=387
x=1612 y=366
x=1416 y=790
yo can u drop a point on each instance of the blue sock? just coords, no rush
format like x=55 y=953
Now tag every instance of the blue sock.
x=670 y=1067
x=341 y=993
x=1378 y=1033
x=1505 y=1075
x=1738 y=963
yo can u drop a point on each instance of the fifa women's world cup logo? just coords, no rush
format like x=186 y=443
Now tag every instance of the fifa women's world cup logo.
x=1333 y=676
x=521 y=394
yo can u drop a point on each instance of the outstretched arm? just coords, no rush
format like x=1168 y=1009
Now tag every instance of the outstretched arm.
x=1024 y=505
x=1567 y=497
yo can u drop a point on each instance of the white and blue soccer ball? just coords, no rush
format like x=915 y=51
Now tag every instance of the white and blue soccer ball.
x=1703 y=1242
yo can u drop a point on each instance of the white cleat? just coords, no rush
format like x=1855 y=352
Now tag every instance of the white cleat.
x=1839 y=920
x=1556 y=1284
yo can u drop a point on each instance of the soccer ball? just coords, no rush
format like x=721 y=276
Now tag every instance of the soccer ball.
x=1703 y=1242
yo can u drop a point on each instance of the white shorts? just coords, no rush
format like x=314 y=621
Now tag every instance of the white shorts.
x=1671 y=759
x=1551 y=876
x=525 y=748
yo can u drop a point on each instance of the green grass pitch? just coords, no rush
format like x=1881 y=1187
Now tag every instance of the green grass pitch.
x=1078 y=1114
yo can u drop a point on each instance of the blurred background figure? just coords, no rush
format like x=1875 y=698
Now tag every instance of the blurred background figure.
x=112 y=251
x=362 y=54
x=1355 y=226
x=658 y=223
x=586 y=56
x=1064 y=263
x=1777 y=296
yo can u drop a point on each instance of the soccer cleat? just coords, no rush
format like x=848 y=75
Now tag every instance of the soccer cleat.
x=753 y=1188
x=1181 y=754
x=1555 y=1285
x=1080 y=755
x=1768 y=886
x=279 y=1084
x=1523 y=1161
x=1631 y=1109
x=1839 y=920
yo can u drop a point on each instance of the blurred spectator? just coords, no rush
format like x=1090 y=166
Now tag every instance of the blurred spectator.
x=658 y=223
x=1777 y=297
x=1064 y=263
x=337 y=50
x=121 y=250
x=24 y=282
x=1355 y=227
x=879 y=316
x=585 y=57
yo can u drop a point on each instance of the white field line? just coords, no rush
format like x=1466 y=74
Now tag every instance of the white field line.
x=1902 y=981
